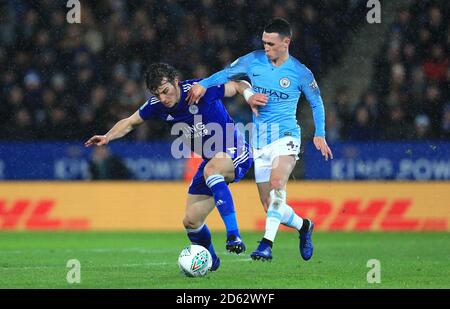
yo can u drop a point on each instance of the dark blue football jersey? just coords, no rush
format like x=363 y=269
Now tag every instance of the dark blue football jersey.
x=200 y=121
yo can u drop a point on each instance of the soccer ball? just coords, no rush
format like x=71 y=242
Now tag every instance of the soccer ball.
x=195 y=261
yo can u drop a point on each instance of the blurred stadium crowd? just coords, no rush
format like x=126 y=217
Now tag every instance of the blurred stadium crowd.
x=409 y=97
x=64 y=81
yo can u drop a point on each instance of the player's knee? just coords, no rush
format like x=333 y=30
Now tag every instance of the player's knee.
x=190 y=223
x=276 y=183
x=211 y=169
x=216 y=169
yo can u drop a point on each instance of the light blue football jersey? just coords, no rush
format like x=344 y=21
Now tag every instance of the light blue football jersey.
x=283 y=86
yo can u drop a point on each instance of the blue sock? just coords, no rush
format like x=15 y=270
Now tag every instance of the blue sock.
x=202 y=236
x=224 y=202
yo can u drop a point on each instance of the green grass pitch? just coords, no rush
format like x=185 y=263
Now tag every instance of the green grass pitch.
x=149 y=260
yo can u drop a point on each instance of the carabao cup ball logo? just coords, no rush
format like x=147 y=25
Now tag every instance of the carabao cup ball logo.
x=285 y=82
x=199 y=262
x=193 y=109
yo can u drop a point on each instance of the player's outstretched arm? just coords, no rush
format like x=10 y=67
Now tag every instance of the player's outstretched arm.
x=253 y=99
x=235 y=70
x=234 y=87
x=120 y=129
x=243 y=87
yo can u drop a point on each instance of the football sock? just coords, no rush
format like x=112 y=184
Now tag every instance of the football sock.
x=266 y=243
x=224 y=203
x=291 y=219
x=305 y=226
x=202 y=236
x=275 y=213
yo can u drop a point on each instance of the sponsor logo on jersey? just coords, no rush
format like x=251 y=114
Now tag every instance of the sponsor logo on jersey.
x=195 y=131
x=273 y=94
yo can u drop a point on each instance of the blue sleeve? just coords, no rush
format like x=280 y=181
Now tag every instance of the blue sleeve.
x=214 y=93
x=146 y=111
x=312 y=93
x=235 y=70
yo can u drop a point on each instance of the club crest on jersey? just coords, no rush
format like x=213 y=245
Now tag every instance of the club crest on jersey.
x=193 y=109
x=285 y=82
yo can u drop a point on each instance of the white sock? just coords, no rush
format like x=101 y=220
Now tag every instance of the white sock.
x=291 y=219
x=275 y=213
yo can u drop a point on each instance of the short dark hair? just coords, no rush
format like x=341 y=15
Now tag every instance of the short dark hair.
x=155 y=74
x=280 y=26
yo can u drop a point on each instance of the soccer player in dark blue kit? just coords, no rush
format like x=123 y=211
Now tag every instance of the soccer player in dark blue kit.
x=226 y=160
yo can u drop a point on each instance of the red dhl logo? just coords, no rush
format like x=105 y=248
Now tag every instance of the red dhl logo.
x=36 y=216
x=357 y=215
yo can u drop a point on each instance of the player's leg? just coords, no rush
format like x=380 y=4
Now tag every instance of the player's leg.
x=218 y=172
x=268 y=178
x=286 y=213
x=198 y=207
x=263 y=168
x=264 y=194
x=281 y=169
x=290 y=218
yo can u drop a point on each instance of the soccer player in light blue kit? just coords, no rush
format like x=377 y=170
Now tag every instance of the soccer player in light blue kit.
x=278 y=80
x=226 y=161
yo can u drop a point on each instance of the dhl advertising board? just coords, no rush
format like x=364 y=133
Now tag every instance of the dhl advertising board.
x=348 y=206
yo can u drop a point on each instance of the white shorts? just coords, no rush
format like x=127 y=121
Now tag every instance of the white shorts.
x=265 y=156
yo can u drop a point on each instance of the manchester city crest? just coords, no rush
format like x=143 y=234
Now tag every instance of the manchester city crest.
x=285 y=82
x=193 y=109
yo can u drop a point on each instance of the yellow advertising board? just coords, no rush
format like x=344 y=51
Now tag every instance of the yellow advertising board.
x=360 y=206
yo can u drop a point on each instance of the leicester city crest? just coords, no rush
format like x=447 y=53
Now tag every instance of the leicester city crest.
x=285 y=82
x=193 y=109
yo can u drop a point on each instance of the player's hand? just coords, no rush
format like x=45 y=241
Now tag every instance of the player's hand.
x=98 y=140
x=195 y=94
x=258 y=99
x=321 y=144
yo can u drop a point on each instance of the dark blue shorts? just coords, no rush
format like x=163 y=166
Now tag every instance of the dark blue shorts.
x=242 y=161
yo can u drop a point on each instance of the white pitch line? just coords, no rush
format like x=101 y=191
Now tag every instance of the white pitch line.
x=109 y=266
x=97 y=250
x=88 y=266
